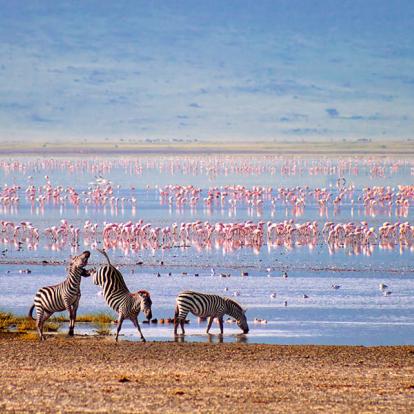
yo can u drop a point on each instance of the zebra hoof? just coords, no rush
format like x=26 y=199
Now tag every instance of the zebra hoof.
x=71 y=333
x=143 y=339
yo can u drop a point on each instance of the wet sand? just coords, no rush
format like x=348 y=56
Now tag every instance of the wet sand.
x=96 y=375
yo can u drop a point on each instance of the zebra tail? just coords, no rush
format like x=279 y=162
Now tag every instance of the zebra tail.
x=102 y=251
x=31 y=312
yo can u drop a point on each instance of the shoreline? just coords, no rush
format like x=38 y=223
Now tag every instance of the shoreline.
x=167 y=266
x=96 y=375
x=396 y=148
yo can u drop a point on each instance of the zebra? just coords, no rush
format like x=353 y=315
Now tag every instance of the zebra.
x=207 y=305
x=64 y=296
x=119 y=298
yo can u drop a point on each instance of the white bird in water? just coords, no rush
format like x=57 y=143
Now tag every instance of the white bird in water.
x=236 y=293
x=263 y=321
x=382 y=286
x=226 y=289
x=212 y=271
x=305 y=297
x=285 y=275
x=336 y=287
x=273 y=295
x=387 y=293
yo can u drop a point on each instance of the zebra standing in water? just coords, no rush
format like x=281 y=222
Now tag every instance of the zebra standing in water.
x=206 y=305
x=119 y=298
x=64 y=296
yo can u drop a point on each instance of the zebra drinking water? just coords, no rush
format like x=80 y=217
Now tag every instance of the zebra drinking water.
x=64 y=296
x=206 y=305
x=119 y=298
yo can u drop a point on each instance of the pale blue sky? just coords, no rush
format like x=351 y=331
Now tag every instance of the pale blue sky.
x=248 y=70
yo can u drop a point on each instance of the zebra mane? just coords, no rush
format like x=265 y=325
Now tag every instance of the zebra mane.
x=236 y=304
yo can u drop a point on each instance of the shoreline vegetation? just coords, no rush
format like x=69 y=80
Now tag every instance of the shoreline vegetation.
x=11 y=323
x=93 y=374
x=125 y=147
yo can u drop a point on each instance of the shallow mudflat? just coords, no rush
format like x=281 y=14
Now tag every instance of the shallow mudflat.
x=97 y=375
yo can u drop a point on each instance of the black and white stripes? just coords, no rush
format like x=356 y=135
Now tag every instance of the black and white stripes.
x=207 y=305
x=128 y=305
x=64 y=296
x=119 y=298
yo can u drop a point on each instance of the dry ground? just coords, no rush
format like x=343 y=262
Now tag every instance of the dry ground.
x=96 y=375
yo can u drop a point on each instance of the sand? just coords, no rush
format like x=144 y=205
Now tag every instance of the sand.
x=88 y=375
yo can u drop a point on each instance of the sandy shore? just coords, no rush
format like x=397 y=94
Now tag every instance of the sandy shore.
x=96 y=375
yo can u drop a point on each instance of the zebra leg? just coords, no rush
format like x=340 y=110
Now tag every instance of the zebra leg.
x=179 y=318
x=42 y=317
x=176 y=320
x=210 y=321
x=39 y=324
x=136 y=324
x=118 y=329
x=176 y=325
x=72 y=313
x=221 y=324
x=71 y=319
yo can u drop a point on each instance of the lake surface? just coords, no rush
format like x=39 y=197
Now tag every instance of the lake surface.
x=358 y=312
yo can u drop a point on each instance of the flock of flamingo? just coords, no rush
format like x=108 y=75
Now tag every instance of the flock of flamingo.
x=211 y=166
x=134 y=235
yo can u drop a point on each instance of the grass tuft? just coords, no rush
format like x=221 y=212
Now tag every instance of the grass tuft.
x=29 y=336
x=26 y=325
x=101 y=317
x=103 y=329
x=51 y=327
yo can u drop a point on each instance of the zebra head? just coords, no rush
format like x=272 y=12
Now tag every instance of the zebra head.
x=80 y=261
x=146 y=303
x=242 y=322
x=234 y=309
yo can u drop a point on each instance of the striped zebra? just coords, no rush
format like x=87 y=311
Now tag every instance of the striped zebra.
x=64 y=296
x=119 y=298
x=206 y=305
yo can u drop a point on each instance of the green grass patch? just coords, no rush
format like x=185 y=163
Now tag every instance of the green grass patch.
x=23 y=323
x=9 y=321
x=26 y=324
x=101 y=317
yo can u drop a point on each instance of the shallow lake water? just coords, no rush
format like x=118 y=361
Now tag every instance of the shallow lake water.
x=356 y=312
